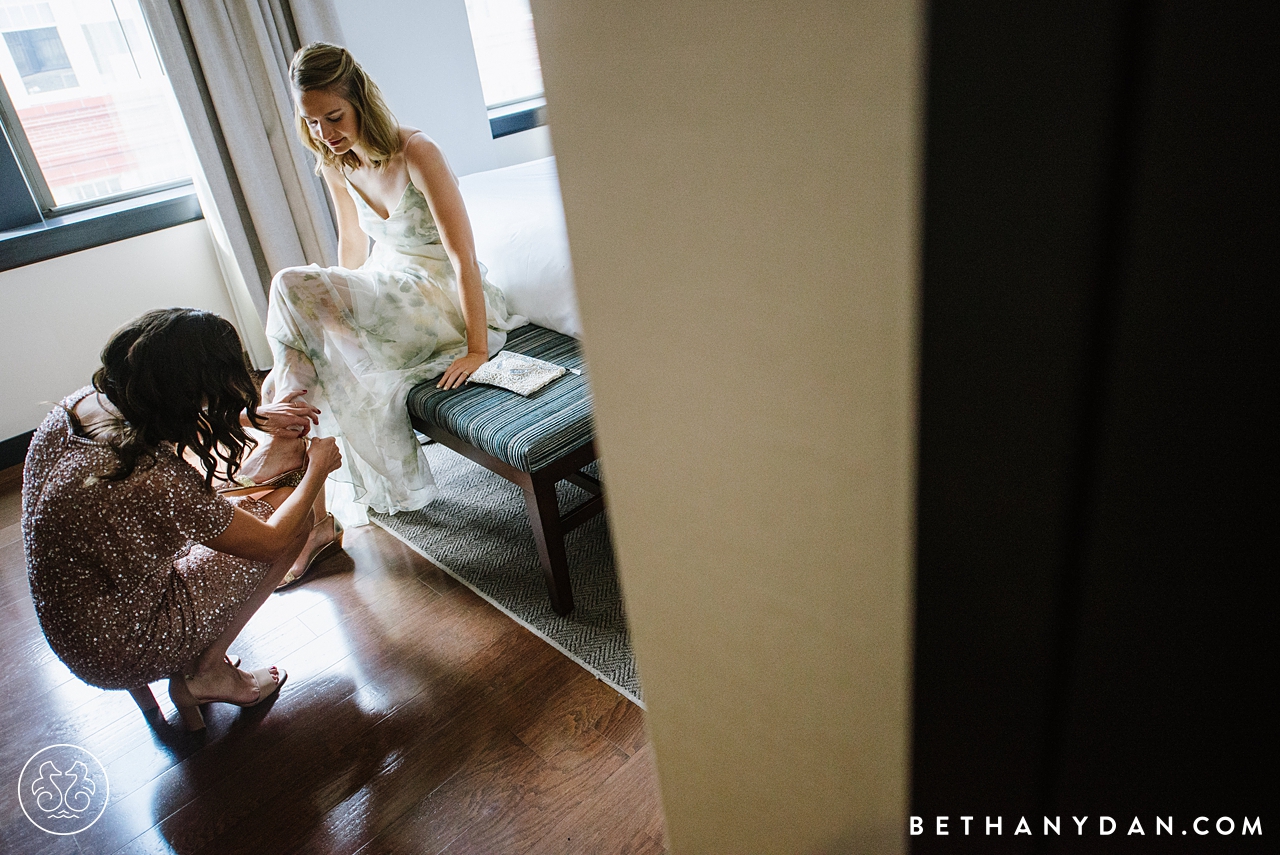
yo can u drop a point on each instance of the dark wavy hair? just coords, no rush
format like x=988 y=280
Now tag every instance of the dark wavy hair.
x=180 y=376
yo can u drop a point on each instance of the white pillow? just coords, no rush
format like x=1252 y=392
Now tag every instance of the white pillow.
x=518 y=221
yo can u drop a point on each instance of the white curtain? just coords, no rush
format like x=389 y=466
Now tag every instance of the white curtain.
x=228 y=62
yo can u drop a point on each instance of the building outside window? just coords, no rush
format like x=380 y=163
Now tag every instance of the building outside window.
x=40 y=59
x=87 y=106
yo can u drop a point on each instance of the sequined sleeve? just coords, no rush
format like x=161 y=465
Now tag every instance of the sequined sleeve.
x=198 y=512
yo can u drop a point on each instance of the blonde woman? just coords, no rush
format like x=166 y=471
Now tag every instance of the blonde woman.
x=356 y=338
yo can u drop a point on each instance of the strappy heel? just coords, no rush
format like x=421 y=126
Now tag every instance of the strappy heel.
x=319 y=555
x=146 y=701
x=292 y=478
x=189 y=705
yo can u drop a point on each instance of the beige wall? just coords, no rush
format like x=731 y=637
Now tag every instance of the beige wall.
x=57 y=314
x=741 y=184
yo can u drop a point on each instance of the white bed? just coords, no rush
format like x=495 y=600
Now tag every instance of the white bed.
x=518 y=221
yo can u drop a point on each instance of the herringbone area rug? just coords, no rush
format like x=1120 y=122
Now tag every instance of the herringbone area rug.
x=477 y=530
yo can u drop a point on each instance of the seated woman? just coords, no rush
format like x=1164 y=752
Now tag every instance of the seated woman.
x=359 y=336
x=139 y=568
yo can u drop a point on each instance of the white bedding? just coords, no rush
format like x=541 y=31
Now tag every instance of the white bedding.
x=518 y=221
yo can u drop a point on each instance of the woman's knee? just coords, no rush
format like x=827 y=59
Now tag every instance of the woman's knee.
x=294 y=282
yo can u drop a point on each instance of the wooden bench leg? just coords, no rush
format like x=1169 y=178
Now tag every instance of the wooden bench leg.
x=544 y=517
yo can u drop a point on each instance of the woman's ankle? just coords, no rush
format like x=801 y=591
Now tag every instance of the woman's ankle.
x=207 y=663
x=275 y=456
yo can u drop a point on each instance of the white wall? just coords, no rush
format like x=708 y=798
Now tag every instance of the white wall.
x=741 y=191
x=57 y=314
x=421 y=56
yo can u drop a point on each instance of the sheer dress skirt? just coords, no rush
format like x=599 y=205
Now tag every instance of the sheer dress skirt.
x=358 y=341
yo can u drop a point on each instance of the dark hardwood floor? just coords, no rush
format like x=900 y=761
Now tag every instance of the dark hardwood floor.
x=416 y=718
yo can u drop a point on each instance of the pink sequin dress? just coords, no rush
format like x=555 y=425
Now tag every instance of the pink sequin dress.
x=124 y=590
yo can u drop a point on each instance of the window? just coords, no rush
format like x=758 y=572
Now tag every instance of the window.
x=507 y=55
x=107 y=41
x=41 y=61
x=87 y=109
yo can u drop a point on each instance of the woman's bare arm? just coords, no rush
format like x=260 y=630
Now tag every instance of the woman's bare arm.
x=430 y=173
x=252 y=538
x=353 y=243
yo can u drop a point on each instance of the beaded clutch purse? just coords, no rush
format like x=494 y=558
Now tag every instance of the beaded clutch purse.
x=521 y=374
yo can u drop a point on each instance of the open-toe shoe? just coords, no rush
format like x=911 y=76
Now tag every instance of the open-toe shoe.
x=317 y=555
x=189 y=705
x=246 y=486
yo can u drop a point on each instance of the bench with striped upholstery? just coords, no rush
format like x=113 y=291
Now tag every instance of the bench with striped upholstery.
x=534 y=442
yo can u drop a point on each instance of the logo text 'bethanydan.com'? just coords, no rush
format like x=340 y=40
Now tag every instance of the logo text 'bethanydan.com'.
x=1081 y=826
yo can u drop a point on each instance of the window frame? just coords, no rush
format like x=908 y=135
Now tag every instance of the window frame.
x=512 y=118
x=18 y=206
x=111 y=221
x=34 y=228
x=21 y=150
x=520 y=114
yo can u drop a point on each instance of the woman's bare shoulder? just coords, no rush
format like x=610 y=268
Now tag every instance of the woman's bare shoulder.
x=332 y=176
x=418 y=147
x=426 y=161
x=407 y=133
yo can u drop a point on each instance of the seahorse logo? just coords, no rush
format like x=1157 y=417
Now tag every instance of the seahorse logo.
x=63 y=789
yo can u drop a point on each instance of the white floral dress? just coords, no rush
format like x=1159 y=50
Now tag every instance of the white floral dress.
x=359 y=340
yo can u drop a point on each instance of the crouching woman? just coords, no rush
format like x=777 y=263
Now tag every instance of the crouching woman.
x=139 y=568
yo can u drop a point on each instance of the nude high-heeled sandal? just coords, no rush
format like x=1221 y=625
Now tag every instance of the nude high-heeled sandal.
x=146 y=701
x=320 y=553
x=292 y=478
x=189 y=705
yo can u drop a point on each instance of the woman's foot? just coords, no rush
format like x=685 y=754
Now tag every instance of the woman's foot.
x=225 y=684
x=273 y=457
x=324 y=540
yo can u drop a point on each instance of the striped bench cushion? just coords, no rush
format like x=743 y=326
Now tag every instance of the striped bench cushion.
x=527 y=433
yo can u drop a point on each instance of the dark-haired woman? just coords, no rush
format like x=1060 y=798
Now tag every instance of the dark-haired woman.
x=139 y=568
x=362 y=334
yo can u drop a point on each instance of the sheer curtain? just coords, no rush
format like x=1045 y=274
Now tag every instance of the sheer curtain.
x=228 y=63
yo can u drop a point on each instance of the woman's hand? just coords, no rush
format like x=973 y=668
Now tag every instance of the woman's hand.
x=323 y=455
x=252 y=538
x=462 y=368
x=289 y=417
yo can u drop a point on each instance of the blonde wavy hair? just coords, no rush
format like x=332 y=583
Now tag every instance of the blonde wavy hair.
x=324 y=66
